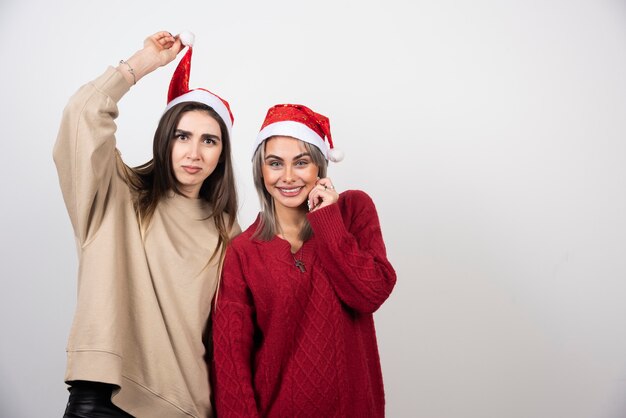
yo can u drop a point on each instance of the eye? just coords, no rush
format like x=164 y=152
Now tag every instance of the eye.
x=302 y=163
x=209 y=141
x=274 y=163
x=181 y=137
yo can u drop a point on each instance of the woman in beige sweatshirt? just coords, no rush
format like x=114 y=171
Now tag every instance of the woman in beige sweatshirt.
x=150 y=242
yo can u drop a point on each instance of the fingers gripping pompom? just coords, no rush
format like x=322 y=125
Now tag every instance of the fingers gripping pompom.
x=187 y=38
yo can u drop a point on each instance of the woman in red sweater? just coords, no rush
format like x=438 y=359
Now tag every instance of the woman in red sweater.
x=293 y=330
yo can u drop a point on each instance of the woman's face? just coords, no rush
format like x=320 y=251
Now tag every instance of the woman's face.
x=289 y=173
x=196 y=150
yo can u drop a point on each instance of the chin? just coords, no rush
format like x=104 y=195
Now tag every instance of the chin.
x=292 y=204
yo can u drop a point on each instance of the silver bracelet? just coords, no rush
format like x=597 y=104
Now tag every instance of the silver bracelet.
x=130 y=70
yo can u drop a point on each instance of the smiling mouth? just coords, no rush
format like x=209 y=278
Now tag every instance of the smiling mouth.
x=290 y=192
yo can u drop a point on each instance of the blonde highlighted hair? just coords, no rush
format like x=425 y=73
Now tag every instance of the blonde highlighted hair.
x=268 y=228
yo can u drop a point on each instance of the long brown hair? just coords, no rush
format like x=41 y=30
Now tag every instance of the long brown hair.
x=267 y=228
x=153 y=180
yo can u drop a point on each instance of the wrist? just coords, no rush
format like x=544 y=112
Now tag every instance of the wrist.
x=130 y=70
x=138 y=65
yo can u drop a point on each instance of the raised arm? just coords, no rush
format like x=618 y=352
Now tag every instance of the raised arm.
x=352 y=251
x=158 y=50
x=84 y=152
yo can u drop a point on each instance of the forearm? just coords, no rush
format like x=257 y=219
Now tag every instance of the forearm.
x=137 y=66
x=84 y=152
x=351 y=246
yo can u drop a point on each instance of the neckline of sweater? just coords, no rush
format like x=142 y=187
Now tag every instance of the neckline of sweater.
x=194 y=206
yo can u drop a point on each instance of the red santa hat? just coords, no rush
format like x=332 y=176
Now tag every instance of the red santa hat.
x=179 y=91
x=299 y=122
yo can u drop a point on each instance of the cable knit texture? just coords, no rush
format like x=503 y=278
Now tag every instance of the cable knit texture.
x=302 y=344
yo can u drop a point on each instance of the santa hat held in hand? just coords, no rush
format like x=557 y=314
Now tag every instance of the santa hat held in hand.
x=299 y=122
x=179 y=87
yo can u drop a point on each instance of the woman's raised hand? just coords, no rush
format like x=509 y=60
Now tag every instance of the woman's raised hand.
x=158 y=50
x=322 y=195
x=164 y=45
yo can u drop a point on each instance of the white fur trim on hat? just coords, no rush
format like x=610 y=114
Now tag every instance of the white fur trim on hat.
x=294 y=129
x=203 y=96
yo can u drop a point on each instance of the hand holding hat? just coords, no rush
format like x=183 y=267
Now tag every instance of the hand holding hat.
x=158 y=50
x=164 y=45
x=180 y=92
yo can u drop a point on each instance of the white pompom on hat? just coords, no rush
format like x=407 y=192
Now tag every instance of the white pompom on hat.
x=298 y=121
x=187 y=38
x=179 y=91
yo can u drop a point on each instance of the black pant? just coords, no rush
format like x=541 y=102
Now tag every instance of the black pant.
x=92 y=400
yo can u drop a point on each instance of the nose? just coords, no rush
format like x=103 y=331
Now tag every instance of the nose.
x=288 y=176
x=193 y=152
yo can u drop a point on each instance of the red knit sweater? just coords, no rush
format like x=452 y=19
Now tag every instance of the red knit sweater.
x=289 y=343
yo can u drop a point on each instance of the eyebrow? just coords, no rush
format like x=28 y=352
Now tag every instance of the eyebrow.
x=276 y=157
x=184 y=132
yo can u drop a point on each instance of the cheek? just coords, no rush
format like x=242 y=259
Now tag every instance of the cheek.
x=175 y=153
x=270 y=178
x=265 y=173
x=267 y=180
x=312 y=173
x=213 y=156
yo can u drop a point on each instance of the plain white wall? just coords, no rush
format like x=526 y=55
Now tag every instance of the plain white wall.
x=491 y=135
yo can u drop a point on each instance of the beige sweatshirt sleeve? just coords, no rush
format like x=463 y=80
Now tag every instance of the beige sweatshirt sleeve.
x=85 y=153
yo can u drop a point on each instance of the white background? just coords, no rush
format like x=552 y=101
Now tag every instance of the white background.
x=489 y=133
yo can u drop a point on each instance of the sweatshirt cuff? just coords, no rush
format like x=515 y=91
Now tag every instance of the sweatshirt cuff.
x=113 y=84
x=327 y=223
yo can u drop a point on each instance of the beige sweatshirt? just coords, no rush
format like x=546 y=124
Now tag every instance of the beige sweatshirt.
x=143 y=304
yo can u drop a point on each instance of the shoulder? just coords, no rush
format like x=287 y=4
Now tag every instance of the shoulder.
x=241 y=249
x=356 y=206
x=358 y=195
x=235 y=229
x=244 y=240
x=354 y=200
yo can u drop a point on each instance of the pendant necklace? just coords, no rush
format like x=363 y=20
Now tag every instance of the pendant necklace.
x=298 y=262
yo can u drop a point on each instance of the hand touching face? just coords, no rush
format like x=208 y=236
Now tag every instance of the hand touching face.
x=322 y=195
